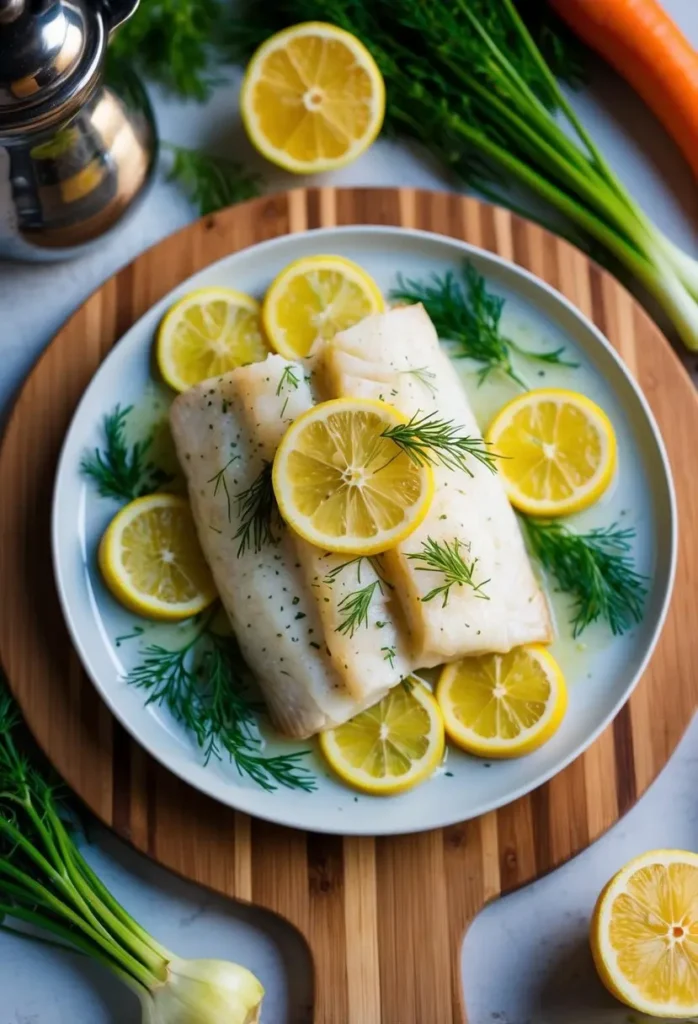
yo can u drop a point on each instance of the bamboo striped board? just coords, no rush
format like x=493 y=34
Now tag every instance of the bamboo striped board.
x=384 y=918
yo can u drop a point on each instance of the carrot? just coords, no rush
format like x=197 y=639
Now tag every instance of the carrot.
x=642 y=43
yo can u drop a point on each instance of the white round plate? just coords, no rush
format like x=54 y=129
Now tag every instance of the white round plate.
x=601 y=670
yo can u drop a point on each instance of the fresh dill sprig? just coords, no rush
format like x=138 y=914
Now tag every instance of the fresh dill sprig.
x=219 y=481
x=355 y=608
x=468 y=316
x=446 y=558
x=289 y=381
x=203 y=684
x=210 y=182
x=259 y=514
x=425 y=377
x=428 y=440
x=122 y=471
x=374 y=561
x=595 y=568
x=173 y=42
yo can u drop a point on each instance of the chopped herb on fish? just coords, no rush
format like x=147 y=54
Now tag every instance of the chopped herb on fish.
x=446 y=558
x=260 y=520
x=354 y=607
x=220 y=481
x=428 y=440
x=424 y=376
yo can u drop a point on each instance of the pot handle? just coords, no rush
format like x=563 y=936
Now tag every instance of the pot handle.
x=116 y=12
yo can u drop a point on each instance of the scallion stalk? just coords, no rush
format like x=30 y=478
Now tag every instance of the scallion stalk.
x=46 y=883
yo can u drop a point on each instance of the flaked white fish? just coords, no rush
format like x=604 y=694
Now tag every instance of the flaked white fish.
x=396 y=357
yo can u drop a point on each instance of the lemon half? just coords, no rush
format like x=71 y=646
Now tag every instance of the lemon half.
x=314 y=298
x=207 y=333
x=151 y=560
x=559 y=451
x=644 y=934
x=390 y=747
x=312 y=98
x=344 y=487
x=503 y=705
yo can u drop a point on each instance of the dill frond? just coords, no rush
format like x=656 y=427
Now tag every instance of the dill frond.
x=260 y=519
x=447 y=559
x=595 y=568
x=204 y=683
x=428 y=440
x=119 y=470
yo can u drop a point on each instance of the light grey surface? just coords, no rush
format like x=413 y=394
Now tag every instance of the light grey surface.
x=525 y=959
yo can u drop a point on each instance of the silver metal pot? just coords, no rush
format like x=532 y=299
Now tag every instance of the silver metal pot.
x=75 y=154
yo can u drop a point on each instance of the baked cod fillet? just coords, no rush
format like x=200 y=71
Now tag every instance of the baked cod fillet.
x=264 y=591
x=375 y=657
x=396 y=357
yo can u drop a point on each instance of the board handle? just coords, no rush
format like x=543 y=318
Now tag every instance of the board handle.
x=405 y=904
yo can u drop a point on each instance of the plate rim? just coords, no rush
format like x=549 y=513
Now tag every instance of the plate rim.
x=221 y=792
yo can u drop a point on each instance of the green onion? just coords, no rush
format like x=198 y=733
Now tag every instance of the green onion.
x=45 y=882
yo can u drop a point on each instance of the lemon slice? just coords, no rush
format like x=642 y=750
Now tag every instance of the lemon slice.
x=343 y=486
x=502 y=705
x=391 y=747
x=644 y=934
x=207 y=333
x=559 y=448
x=314 y=298
x=312 y=98
x=151 y=560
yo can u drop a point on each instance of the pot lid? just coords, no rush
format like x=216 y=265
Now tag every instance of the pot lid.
x=51 y=53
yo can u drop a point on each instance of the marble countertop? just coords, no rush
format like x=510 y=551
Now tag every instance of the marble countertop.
x=525 y=959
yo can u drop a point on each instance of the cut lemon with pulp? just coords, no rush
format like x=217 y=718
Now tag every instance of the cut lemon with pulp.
x=502 y=705
x=644 y=934
x=314 y=298
x=208 y=333
x=390 y=747
x=151 y=560
x=559 y=451
x=343 y=486
x=312 y=98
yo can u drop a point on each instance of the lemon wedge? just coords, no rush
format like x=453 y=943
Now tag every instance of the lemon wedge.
x=312 y=98
x=502 y=705
x=391 y=747
x=342 y=486
x=559 y=451
x=315 y=297
x=207 y=333
x=151 y=560
x=644 y=934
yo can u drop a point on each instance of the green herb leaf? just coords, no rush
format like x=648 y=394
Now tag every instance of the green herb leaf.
x=260 y=520
x=211 y=182
x=355 y=608
x=389 y=655
x=428 y=440
x=204 y=684
x=173 y=42
x=119 y=470
x=425 y=377
x=595 y=568
x=219 y=481
x=466 y=314
x=447 y=559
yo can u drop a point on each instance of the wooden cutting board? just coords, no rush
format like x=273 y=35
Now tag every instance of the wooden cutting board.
x=384 y=918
